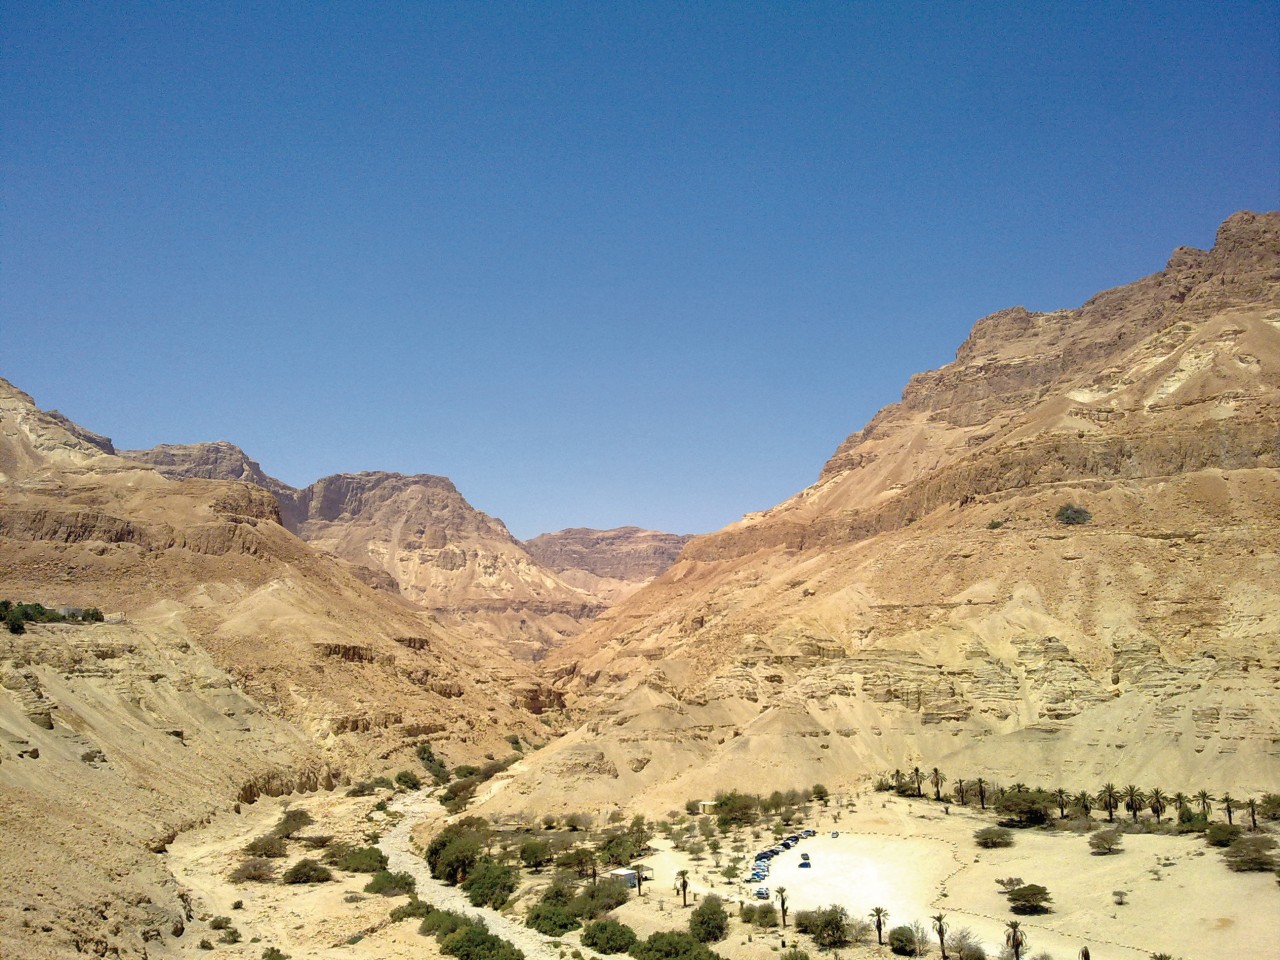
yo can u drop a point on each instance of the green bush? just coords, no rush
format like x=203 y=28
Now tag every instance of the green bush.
x=382 y=783
x=273 y=953
x=360 y=860
x=551 y=919
x=765 y=915
x=795 y=953
x=230 y=935
x=491 y=884
x=442 y=923
x=254 y=870
x=709 y=922
x=599 y=898
x=362 y=789
x=1029 y=898
x=1070 y=514
x=1252 y=854
x=902 y=941
x=473 y=942
x=433 y=764
x=672 y=945
x=608 y=936
x=1222 y=834
x=991 y=837
x=219 y=923
x=417 y=909
x=307 y=871
x=291 y=823
x=830 y=927
x=268 y=846
x=455 y=849
x=409 y=780
x=535 y=853
x=390 y=884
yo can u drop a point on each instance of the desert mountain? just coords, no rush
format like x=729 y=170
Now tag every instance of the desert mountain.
x=418 y=535
x=922 y=602
x=608 y=563
x=236 y=660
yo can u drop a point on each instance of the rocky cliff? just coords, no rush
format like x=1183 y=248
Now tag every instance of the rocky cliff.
x=609 y=563
x=922 y=602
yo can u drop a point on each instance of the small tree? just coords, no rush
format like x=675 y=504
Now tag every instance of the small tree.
x=307 y=871
x=709 y=921
x=1071 y=515
x=608 y=936
x=1029 y=898
x=992 y=837
x=1104 y=842
x=535 y=853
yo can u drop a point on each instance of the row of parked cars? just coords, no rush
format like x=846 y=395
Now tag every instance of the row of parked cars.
x=760 y=869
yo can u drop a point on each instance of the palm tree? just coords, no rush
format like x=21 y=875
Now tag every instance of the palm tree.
x=1157 y=801
x=982 y=792
x=898 y=776
x=1109 y=799
x=1084 y=802
x=1227 y=800
x=1063 y=799
x=1252 y=806
x=879 y=916
x=940 y=928
x=1019 y=788
x=1180 y=802
x=1134 y=799
x=937 y=779
x=918 y=776
x=1203 y=799
x=682 y=884
x=1015 y=939
x=960 y=792
x=782 y=904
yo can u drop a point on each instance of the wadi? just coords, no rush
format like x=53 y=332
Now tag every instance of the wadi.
x=1003 y=681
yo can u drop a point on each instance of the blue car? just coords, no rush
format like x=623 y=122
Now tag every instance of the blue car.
x=805 y=863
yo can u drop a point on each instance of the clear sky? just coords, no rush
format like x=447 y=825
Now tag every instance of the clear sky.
x=600 y=263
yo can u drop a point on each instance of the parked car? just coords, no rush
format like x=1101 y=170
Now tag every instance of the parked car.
x=762 y=893
x=805 y=863
x=804 y=856
x=835 y=833
x=809 y=833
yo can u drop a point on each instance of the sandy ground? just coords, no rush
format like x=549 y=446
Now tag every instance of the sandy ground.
x=907 y=856
x=916 y=861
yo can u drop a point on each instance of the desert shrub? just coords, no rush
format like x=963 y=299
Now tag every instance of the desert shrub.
x=362 y=789
x=315 y=841
x=991 y=837
x=551 y=919
x=219 y=923
x=709 y=921
x=600 y=898
x=464 y=770
x=902 y=941
x=274 y=953
x=455 y=849
x=1030 y=807
x=994 y=524
x=474 y=942
x=433 y=764
x=230 y=935
x=1222 y=834
x=963 y=945
x=608 y=936
x=535 y=853
x=830 y=927
x=237 y=905
x=1029 y=898
x=441 y=923
x=672 y=945
x=1249 y=854
x=390 y=884
x=577 y=821
x=307 y=871
x=860 y=930
x=415 y=908
x=409 y=780
x=1071 y=515
x=361 y=860
x=490 y=884
x=268 y=846
x=765 y=915
x=805 y=921
x=254 y=870
x=1105 y=841
x=291 y=823
x=382 y=783
x=205 y=944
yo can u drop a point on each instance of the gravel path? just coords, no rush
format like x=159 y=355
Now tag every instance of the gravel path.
x=398 y=847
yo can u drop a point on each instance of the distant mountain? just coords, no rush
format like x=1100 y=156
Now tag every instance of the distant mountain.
x=610 y=563
x=927 y=602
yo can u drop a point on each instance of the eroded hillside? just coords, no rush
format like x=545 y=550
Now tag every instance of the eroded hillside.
x=921 y=603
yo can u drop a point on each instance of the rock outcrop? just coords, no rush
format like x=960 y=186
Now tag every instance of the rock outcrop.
x=609 y=563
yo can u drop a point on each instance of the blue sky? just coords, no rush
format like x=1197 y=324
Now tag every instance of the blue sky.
x=598 y=263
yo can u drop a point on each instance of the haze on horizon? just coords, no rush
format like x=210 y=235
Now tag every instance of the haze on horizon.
x=649 y=265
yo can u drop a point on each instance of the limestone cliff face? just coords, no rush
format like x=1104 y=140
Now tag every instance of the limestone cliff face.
x=609 y=563
x=415 y=535
x=922 y=603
